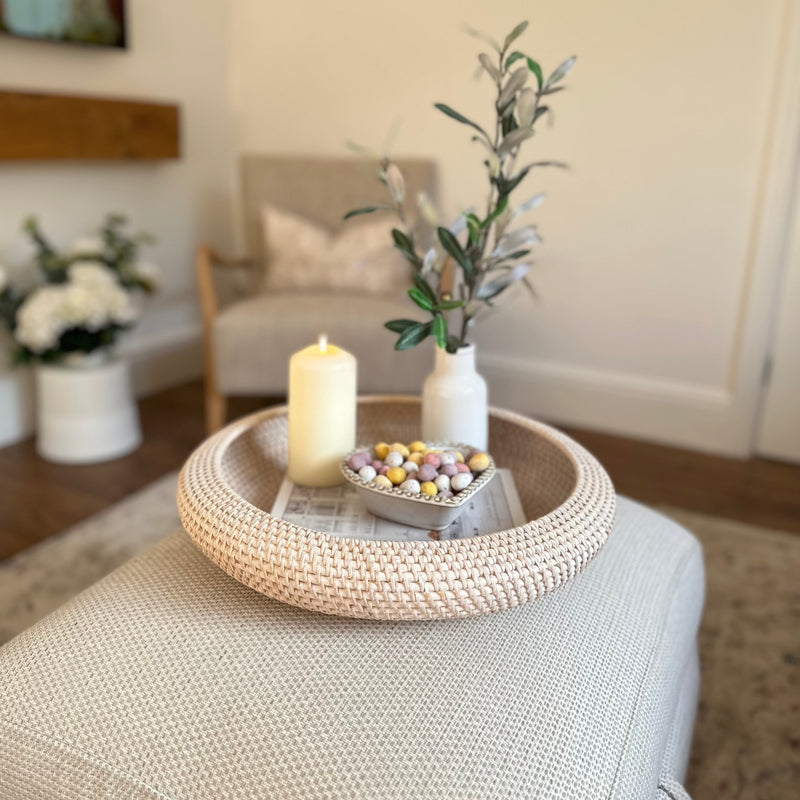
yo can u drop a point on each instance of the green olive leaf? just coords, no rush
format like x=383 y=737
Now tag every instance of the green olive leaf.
x=440 y=330
x=450 y=243
x=413 y=335
x=515 y=34
x=365 y=210
x=461 y=118
x=400 y=325
x=421 y=299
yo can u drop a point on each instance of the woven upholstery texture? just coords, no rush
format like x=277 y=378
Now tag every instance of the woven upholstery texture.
x=228 y=484
x=169 y=679
x=289 y=321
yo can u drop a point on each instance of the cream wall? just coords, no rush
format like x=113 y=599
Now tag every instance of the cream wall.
x=650 y=265
x=178 y=53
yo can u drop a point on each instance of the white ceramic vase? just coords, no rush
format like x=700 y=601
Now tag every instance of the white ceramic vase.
x=455 y=403
x=86 y=411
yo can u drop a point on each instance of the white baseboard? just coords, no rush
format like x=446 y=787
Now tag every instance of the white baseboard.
x=17 y=411
x=165 y=360
x=682 y=415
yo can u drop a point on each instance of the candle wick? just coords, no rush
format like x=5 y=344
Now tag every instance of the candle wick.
x=323 y=343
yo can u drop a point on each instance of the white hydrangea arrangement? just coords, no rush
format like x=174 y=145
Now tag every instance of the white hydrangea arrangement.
x=85 y=297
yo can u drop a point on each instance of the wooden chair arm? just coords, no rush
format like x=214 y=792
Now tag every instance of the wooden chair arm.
x=207 y=259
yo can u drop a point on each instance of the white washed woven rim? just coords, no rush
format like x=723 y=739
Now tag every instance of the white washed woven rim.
x=396 y=580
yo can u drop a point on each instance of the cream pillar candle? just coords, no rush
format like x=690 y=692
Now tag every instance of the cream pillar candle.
x=322 y=413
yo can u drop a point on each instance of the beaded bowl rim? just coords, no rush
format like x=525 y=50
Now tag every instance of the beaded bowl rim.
x=456 y=501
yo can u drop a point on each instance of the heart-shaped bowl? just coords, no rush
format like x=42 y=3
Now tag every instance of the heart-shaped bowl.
x=417 y=510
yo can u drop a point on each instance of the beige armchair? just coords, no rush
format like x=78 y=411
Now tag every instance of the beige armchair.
x=248 y=342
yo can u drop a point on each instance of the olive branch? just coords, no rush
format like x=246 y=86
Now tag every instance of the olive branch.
x=490 y=258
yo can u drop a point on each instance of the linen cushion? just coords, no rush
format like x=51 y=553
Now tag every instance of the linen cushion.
x=169 y=679
x=253 y=340
x=303 y=256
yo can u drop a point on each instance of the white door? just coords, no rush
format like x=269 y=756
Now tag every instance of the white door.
x=779 y=430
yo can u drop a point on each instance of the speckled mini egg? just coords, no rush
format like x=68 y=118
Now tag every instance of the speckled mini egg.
x=461 y=481
x=462 y=468
x=367 y=473
x=381 y=450
x=382 y=480
x=377 y=464
x=428 y=488
x=445 y=495
x=434 y=459
x=411 y=486
x=479 y=462
x=448 y=458
x=416 y=458
x=358 y=460
x=410 y=466
x=394 y=459
x=384 y=470
x=417 y=447
x=449 y=470
x=442 y=483
x=427 y=472
x=399 y=447
x=396 y=475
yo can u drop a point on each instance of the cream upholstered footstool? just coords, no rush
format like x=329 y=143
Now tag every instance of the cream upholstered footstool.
x=168 y=679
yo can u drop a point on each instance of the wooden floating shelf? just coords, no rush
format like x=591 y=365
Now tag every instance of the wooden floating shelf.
x=49 y=126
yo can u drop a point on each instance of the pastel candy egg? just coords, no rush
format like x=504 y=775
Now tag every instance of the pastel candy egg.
x=394 y=459
x=479 y=462
x=417 y=447
x=461 y=481
x=462 y=468
x=445 y=495
x=381 y=450
x=367 y=473
x=448 y=458
x=377 y=464
x=427 y=472
x=382 y=480
x=399 y=447
x=428 y=488
x=442 y=483
x=449 y=470
x=459 y=457
x=410 y=466
x=396 y=475
x=358 y=460
x=383 y=470
x=416 y=458
x=412 y=486
x=434 y=459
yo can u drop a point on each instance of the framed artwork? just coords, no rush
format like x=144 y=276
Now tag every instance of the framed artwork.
x=99 y=23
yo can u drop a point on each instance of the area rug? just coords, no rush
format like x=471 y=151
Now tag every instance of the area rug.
x=40 y=579
x=747 y=739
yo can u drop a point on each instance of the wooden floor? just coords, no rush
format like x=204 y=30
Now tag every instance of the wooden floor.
x=38 y=499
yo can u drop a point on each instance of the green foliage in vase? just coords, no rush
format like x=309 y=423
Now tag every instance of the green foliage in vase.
x=490 y=254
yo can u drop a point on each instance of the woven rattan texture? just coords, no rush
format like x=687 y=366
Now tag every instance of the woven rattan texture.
x=229 y=481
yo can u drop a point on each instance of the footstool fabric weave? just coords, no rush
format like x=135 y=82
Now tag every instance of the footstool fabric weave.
x=169 y=679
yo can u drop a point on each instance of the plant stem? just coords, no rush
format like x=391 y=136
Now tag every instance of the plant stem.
x=473 y=284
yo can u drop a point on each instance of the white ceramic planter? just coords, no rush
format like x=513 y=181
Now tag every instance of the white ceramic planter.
x=455 y=402
x=86 y=411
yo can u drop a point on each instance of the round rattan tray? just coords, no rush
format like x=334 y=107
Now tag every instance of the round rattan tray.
x=229 y=481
